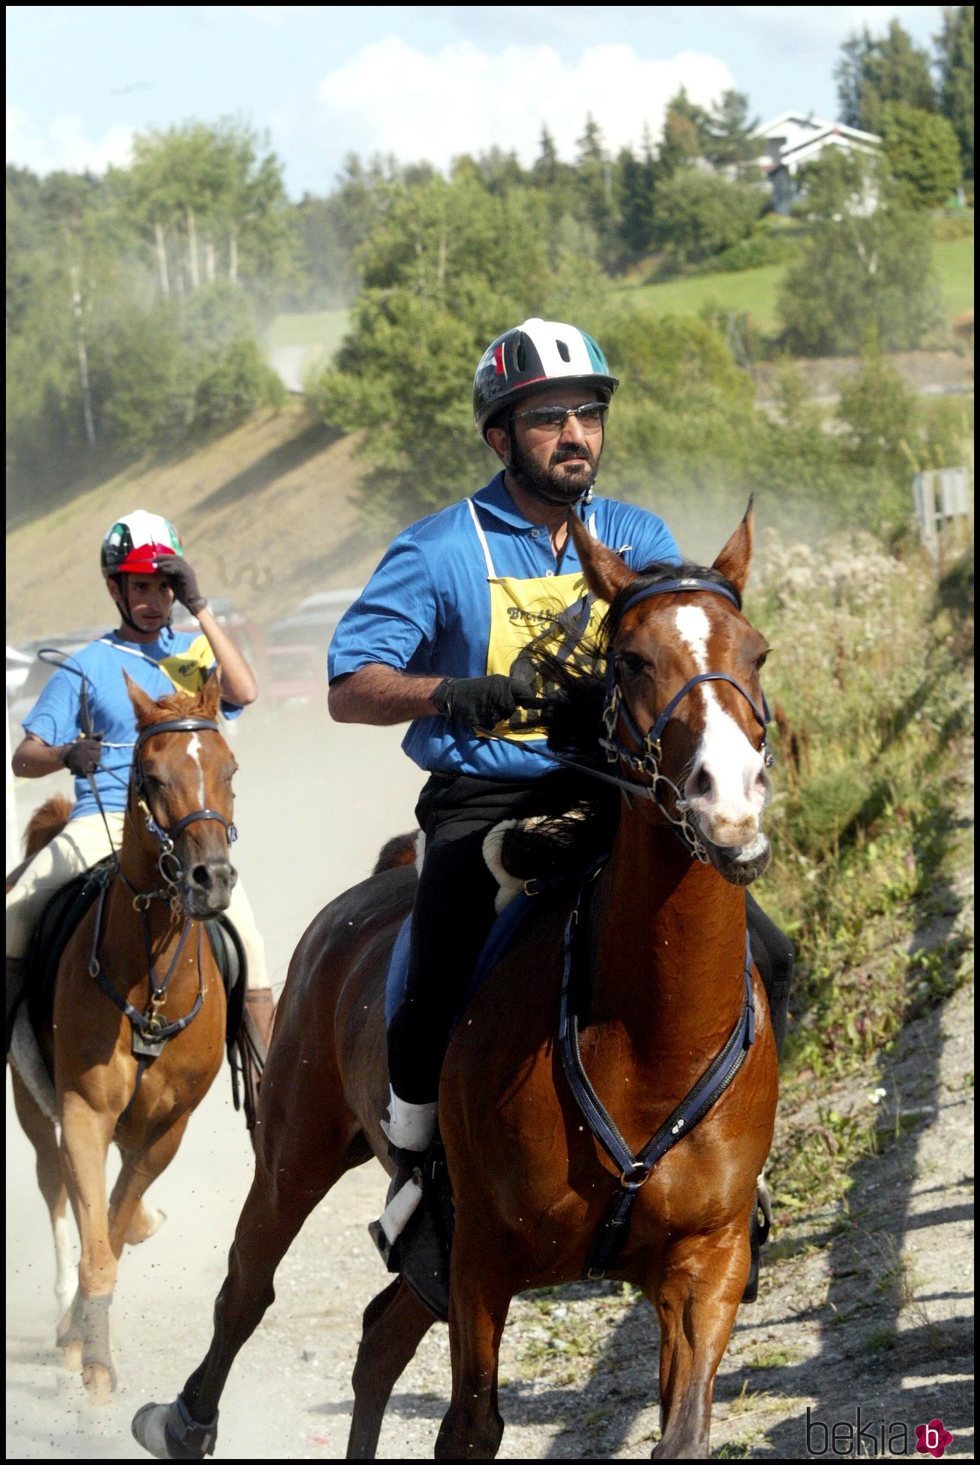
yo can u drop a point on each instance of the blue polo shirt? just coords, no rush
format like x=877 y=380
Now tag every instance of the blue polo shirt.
x=426 y=610
x=177 y=660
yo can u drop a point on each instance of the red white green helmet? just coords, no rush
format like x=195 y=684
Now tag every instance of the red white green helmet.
x=531 y=355
x=135 y=544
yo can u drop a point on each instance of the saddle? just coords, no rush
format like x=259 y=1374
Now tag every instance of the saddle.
x=527 y=857
x=57 y=924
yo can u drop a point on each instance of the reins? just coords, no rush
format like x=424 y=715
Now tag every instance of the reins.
x=64 y=660
x=150 y=1031
x=646 y=760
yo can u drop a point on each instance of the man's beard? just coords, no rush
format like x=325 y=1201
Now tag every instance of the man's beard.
x=548 y=484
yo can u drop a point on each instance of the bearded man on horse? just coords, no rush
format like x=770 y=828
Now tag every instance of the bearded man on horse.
x=440 y=638
x=85 y=721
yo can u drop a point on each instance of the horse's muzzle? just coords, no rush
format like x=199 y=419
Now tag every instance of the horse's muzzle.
x=741 y=864
x=207 y=887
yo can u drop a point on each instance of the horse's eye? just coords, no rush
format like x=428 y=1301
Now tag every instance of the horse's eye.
x=762 y=661
x=630 y=663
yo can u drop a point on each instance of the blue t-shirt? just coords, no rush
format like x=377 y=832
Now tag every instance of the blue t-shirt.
x=426 y=610
x=56 y=716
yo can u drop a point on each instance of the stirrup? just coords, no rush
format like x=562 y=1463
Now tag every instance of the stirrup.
x=759 y=1225
x=403 y=1201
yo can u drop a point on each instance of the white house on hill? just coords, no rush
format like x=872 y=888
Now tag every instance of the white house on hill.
x=795 y=138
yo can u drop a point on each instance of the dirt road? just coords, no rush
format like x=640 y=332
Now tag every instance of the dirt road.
x=867 y=1309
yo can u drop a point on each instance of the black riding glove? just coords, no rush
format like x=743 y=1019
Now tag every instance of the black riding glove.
x=184 y=581
x=83 y=757
x=480 y=702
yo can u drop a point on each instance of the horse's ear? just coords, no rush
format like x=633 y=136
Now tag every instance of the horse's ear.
x=211 y=695
x=733 y=562
x=604 y=571
x=143 y=703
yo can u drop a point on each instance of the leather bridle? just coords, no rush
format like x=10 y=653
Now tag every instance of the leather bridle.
x=645 y=757
x=167 y=837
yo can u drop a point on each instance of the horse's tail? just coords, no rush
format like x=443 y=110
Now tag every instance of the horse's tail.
x=46 y=821
x=401 y=850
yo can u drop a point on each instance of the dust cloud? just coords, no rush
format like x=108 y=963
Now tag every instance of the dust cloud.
x=314 y=803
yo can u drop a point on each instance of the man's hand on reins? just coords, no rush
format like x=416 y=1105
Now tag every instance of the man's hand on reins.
x=82 y=757
x=481 y=702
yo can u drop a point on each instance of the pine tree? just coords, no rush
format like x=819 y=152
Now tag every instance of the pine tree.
x=683 y=135
x=594 y=178
x=954 y=45
x=873 y=72
x=728 y=140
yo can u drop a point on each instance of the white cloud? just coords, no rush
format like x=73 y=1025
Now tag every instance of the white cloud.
x=398 y=100
x=61 y=145
x=833 y=22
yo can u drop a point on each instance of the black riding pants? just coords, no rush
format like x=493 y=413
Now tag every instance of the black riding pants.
x=454 y=910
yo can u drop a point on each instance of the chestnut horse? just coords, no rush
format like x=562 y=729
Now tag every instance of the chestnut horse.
x=139 y=1010
x=666 y=994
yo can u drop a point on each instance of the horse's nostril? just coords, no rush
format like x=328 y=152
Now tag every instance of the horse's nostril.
x=702 y=782
x=207 y=877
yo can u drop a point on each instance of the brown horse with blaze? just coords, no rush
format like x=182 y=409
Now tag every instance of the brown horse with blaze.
x=666 y=996
x=139 y=1016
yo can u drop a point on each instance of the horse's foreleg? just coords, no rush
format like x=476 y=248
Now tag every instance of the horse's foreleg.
x=394 y=1325
x=85 y=1137
x=146 y=1222
x=283 y=1193
x=130 y=1220
x=479 y=1301
x=41 y=1132
x=696 y=1301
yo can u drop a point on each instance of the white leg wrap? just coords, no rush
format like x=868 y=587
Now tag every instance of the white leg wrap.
x=409 y=1126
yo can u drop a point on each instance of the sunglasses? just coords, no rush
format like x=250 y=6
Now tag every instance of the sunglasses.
x=553 y=419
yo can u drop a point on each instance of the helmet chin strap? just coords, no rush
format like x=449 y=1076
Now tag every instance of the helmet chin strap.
x=123 y=605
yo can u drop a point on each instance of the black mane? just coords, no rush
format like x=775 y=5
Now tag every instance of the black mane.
x=573 y=713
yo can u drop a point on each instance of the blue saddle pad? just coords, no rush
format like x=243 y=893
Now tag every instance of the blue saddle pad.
x=503 y=933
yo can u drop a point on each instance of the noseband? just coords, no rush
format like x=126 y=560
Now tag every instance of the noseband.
x=647 y=760
x=168 y=836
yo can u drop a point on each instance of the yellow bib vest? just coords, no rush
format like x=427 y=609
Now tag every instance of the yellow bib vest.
x=552 y=613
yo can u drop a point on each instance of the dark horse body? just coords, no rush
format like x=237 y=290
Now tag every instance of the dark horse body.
x=665 y=949
x=150 y=920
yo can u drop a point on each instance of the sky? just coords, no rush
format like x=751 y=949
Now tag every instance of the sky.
x=319 y=82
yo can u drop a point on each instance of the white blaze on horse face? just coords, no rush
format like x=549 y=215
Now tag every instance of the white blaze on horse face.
x=194 y=752
x=727 y=786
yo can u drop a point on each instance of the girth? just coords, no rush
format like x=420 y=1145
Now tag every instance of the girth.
x=57 y=924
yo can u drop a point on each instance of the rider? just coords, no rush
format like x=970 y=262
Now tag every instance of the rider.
x=84 y=721
x=435 y=637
